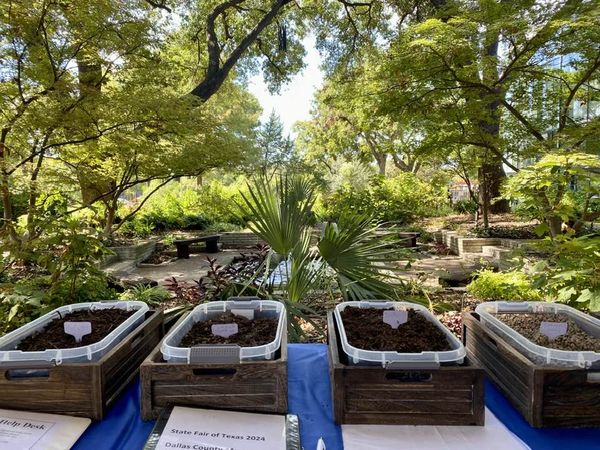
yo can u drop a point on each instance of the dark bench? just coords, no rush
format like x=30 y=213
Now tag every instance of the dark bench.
x=410 y=237
x=183 y=245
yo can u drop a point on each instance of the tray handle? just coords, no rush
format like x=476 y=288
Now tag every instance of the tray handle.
x=424 y=365
x=212 y=354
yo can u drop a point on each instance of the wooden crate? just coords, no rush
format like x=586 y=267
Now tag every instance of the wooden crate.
x=449 y=395
x=545 y=396
x=80 y=389
x=254 y=386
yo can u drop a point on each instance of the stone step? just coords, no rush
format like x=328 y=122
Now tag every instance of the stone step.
x=121 y=266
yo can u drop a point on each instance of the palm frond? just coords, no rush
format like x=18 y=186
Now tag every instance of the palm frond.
x=281 y=211
x=363 y=257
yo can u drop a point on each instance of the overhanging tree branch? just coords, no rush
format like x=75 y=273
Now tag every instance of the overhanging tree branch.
x=216 y=73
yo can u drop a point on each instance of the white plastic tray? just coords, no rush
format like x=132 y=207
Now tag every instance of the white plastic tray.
x=390 y=359
x=225 y=353
x=86 y=353
x=538 y=353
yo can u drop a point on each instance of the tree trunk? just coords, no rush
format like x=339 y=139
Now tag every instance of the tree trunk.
x=491 y=171
x=491 y=176
x=8 y=219
x=555 y=224
x=33 y=196
x=381 y=159
x=109 y=218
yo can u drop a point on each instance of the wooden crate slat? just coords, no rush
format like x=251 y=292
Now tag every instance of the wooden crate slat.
x=409 y=406
x=450 y=395
x=399 y=393
x=214 y=388
x=546 y=396
x=412 y=419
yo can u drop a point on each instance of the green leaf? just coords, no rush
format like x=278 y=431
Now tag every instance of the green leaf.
x=565 y=294
x=542 y=229
x=13 y=311
x=594 y=300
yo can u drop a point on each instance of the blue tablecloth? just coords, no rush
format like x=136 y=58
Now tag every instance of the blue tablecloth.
x=310 y=398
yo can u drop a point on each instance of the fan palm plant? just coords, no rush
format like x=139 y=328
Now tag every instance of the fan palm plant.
x=356 y=251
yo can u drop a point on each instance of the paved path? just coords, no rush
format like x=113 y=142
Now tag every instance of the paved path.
x=191 y=269
x=430 y=269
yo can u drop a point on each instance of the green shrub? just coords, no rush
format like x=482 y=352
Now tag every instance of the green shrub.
x=465 y=206
x=570 y=270
x=185 y=205
x=400 y=199
x=152 y=295
x=496 y=286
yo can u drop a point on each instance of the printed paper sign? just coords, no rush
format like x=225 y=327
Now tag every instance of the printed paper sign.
x=224 y=329
x=395 y=318
x=553 y=329
x=35 y=431
x=78 y=329
x=199 y=429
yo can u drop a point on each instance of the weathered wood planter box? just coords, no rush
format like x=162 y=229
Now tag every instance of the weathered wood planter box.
x=546 y=396
x=256 y=386
x=449 y=395
x=80 y=389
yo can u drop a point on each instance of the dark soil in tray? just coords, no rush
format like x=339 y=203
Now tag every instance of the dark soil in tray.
x=529 y=326
x=366 y=330
x=104 y=321
x=251 y=333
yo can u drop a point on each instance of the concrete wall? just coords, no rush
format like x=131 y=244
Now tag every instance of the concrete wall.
x=247 y=239
x=473 y=245
x=241 y=239
x=460 y=245
x=136 y=253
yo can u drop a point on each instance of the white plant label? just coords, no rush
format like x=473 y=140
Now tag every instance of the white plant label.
x=224 y=329
x=553 y=329
x=78 y=329
x=395 y=318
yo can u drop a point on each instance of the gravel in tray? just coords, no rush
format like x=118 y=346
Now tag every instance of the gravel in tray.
x=528 y=325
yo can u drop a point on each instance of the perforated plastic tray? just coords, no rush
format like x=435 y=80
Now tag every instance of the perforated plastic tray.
x=87 y=353
x=535 y=352
x=390 y=359
x=225 y=353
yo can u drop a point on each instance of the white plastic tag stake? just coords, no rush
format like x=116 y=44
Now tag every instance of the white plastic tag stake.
x=224 y=329
x=552 y=330
x=321 y=444
x=395 y=318
x=78 y=329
